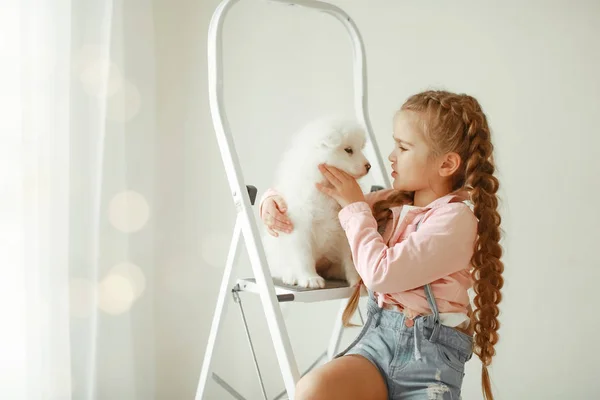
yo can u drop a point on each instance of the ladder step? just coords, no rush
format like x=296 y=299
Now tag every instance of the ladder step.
x=334 y=290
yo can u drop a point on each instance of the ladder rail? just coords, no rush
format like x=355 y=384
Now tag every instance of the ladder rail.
x=235 y=177
x=274 y=317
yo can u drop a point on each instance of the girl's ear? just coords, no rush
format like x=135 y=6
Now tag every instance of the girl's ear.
x=450 y=164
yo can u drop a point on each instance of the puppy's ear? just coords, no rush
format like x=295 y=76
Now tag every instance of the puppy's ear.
x=332 y=140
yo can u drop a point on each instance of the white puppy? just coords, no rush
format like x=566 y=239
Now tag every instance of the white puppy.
x=317 y=234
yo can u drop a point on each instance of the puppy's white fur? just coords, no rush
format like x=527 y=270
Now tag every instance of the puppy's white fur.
x=317 y=233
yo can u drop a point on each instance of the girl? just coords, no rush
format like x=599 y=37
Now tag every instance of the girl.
x=418 y=248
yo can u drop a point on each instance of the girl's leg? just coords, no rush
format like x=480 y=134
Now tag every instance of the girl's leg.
x=350 y=377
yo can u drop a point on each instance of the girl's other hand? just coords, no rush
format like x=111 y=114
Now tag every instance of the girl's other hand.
x=274 y=216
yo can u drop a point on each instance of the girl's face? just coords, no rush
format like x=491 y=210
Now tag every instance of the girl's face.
x=414 y=168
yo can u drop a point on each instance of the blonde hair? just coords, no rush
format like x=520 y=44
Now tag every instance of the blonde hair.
x=456 y=123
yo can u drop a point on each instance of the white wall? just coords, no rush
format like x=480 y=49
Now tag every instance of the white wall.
x=532 y=65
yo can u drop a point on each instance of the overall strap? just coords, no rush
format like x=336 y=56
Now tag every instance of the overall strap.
x=432 y=305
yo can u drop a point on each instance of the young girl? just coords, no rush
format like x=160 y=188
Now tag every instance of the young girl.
x=418 y=248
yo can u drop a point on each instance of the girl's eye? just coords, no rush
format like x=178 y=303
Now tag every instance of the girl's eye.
x=402 y=148
x=349 y=150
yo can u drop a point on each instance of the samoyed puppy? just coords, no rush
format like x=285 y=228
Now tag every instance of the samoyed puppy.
x=317 y=237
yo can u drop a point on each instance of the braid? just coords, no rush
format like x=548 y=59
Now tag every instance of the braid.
x=459 y=124
x=488 y=268
x=381 y=209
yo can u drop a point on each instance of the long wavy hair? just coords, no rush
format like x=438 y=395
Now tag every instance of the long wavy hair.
x=456 y=123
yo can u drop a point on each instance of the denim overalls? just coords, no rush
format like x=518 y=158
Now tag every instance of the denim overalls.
x=420 y=359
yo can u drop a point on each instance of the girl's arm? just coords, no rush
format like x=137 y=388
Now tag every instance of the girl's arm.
x=443 y=244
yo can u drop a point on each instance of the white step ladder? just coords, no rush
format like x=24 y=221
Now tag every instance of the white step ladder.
x=270 y=291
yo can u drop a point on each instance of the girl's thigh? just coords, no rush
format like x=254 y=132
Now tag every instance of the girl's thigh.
x=350 y=377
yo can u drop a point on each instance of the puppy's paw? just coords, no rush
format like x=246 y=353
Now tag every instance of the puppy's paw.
x=352 y=276
x=289 y=279
x=313 y=282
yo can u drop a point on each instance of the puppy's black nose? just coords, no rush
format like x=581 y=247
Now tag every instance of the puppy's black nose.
x=368 y=166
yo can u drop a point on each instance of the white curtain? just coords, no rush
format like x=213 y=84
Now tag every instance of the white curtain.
x=77 y=126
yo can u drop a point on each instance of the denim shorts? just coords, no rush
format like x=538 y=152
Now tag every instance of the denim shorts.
x=421 y=359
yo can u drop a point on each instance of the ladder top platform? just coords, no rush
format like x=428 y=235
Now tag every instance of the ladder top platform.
x=334 y=290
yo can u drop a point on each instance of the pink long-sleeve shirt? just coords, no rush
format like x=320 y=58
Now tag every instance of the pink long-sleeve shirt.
x=397 y=264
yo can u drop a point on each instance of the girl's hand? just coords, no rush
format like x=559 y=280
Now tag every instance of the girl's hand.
x=345 y=189
x=274 y=217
